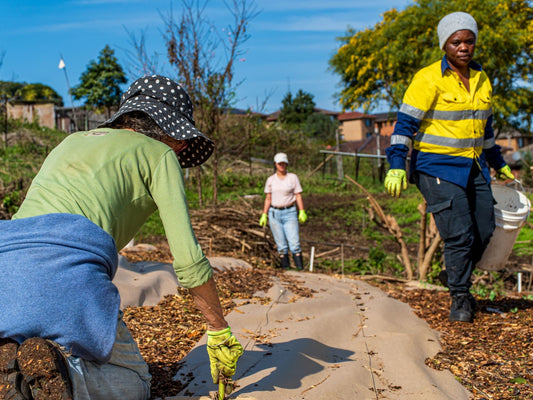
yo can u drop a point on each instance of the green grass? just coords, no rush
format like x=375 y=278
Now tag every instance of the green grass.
x=153 y=227
x=22 y=160
x=378 y=262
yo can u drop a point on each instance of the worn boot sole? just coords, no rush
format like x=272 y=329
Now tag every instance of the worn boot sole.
x=10 y=377
x=44 y=368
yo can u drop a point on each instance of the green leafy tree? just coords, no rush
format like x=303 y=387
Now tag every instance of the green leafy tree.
x=296 y=109
x=321 y=126
x=37 y=92
x=376 y=65
x=10 y=89
x=33 y=92
x=100 y=83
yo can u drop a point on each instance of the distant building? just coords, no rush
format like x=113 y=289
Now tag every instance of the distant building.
x=385 y=122
x=355 y=126
x=41 y=112
x=48 y=115
x=512 y=140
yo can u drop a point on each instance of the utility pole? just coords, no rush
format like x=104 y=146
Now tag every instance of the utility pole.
x=378 y=153
x=340 y=173
x=63 y=66
x=378 y=145
x=5 y=120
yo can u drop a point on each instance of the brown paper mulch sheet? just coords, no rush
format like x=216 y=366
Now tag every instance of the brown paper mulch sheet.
x=167 y=332
x=492 y=357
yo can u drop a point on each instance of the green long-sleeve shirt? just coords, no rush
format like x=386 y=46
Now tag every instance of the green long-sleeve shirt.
x=117 y=179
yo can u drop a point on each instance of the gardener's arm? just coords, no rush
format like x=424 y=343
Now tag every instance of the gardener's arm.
x=206 y=299
x=268 y=202
x=168 y=191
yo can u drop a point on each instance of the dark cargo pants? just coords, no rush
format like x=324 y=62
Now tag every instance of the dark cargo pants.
x=465 y=221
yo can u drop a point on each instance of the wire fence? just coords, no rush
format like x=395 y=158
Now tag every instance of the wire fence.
x=334 y=164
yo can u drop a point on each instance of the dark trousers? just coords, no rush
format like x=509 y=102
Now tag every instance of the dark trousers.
x=465 y=220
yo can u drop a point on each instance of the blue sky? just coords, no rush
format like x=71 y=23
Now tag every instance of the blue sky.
x=289 y=48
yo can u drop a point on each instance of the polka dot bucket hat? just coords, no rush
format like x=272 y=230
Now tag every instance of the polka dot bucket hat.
x=170 y=107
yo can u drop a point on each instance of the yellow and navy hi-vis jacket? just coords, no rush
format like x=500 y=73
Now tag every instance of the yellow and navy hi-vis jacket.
x=448 y=128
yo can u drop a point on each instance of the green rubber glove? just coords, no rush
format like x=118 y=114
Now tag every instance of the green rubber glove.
x=263 y=220
x=224 y=350
x=395 y=181
x=505 y=173
x=302 y=216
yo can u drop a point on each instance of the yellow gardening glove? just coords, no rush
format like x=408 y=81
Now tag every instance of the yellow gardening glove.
x=505 y=173
x=395 y=181
x=224 y=350
x=302 y=216
x=263 y=220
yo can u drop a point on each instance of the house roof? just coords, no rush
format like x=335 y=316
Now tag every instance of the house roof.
x=239 y=111
x=386 y=116
x=354 y=115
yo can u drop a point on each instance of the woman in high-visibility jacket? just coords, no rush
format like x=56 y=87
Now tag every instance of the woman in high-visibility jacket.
x=446 y=117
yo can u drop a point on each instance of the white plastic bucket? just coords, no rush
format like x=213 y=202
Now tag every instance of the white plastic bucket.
x=511 y=211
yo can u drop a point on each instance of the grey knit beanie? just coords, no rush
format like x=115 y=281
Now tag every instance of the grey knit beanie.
x=454 y=22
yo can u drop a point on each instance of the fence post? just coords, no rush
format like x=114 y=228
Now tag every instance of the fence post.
x=356 y=165
x=311 y=258
x=342 y=259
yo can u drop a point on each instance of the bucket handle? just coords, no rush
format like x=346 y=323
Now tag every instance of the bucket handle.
x=517 y=184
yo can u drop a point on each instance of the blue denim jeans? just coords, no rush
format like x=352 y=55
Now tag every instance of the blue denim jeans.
x=284 y=227
x=124 y=377
x=465 y=220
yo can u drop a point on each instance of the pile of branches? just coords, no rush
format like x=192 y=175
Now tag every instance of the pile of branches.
x=232 y=231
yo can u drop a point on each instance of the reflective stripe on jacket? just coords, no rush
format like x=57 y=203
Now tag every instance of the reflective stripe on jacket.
x=453 y=127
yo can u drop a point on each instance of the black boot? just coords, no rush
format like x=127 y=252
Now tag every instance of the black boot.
x=285 y=262
x=473 y=303
x=298 y=261
x=443 y=278
x=462 y=308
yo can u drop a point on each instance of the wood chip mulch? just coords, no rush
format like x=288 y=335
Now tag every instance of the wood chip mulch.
x=493 y=357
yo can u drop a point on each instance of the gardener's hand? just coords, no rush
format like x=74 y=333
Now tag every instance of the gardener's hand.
x=505 y=173
x=263 y=220
x=224 y=350
x=395 y=181
x=302 y=216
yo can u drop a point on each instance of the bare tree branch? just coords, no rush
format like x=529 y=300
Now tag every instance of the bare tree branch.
x=139 y=61
x=392 y=226
x=205 y=61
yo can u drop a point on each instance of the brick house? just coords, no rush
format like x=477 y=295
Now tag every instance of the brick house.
x=41 y=112
x=48 y=115
x=356 y=126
